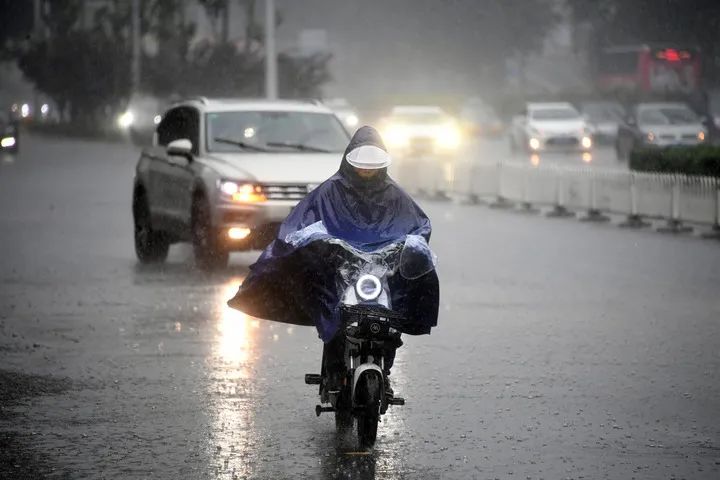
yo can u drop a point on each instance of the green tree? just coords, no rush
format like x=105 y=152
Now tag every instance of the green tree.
x=86 y=68
x=303 y=77
x=16 y=23
x=82 y=70
x=165 y=73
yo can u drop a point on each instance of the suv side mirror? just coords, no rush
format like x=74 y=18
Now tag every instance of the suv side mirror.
x=181 y=147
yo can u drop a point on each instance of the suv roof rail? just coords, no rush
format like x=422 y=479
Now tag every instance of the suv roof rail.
x=198 y=98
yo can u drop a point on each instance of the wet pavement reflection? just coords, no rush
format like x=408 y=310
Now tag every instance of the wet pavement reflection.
x=548 y=362
x=233 y=386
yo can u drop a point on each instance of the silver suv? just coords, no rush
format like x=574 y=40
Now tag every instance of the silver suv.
x=224 y=173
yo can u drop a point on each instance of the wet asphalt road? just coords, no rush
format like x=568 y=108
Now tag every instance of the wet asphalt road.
x=564 y=350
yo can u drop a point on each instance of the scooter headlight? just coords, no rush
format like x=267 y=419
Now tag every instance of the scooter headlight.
x=368 y=287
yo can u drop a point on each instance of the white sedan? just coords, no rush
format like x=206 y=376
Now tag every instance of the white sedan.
x=418 y=130
x=550 y=127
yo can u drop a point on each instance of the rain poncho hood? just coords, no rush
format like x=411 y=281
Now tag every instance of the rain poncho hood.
x=294 y=282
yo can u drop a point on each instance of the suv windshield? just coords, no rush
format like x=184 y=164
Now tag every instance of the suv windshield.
x=274 y=131
x=554 y=114
x=668 y=116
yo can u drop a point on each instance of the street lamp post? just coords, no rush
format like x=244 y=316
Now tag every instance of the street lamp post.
x=37 y=19
x=135 y=67
x=271 y=86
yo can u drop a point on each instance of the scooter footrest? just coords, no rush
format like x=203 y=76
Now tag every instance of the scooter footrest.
x=397 y=401
x=313 y=378
x=320 y=409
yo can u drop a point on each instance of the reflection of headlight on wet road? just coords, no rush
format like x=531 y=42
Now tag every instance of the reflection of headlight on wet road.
x=126 y=119
x=234 y=332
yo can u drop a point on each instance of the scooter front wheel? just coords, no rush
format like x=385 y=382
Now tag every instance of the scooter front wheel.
x=369 y=395
x=343 y=421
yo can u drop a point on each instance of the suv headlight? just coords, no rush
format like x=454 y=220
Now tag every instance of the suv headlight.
x=396 y=136
x=448 y=136
x=242 y=192
x=368 y=287
x=351 y=120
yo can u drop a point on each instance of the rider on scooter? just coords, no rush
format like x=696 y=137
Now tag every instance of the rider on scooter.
x=363 y=206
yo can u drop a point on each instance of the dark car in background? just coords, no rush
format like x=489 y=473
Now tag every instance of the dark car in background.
x=141 y=117
x=9 y=134
x=479 y=119
x=603 y=118
x=347 y=114
x=659 y=125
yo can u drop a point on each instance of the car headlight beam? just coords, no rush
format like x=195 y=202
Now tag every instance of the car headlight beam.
x=242 y=192
x=396 y=136
x=238 y=233
x=368 y=287
x=126 y=119
x=448 y=137
x=351 y=120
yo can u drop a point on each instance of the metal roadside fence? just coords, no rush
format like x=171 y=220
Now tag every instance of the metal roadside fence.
x=678 y=199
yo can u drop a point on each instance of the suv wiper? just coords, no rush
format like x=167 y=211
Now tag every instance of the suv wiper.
x=240 y=144
x=298 y=146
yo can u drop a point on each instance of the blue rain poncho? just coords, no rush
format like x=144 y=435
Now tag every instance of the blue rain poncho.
x=295 y=281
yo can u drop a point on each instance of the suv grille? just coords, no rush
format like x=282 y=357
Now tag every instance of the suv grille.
x=277 y=191
x=561 y=141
